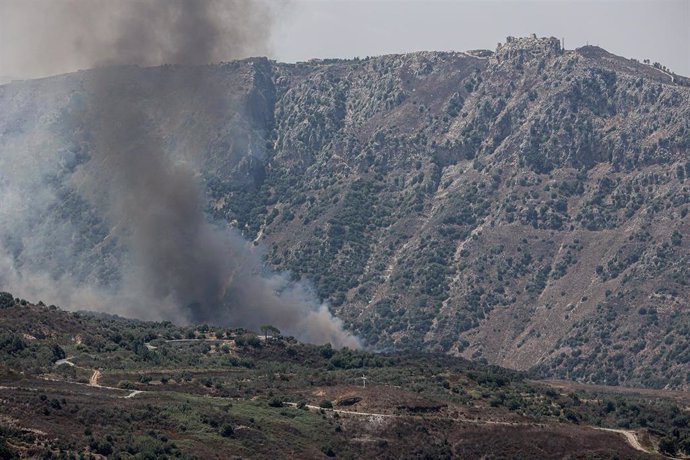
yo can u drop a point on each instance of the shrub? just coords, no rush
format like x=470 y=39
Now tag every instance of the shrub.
x=11 y=343
x=103 y=448
x=227 y=431
x=58 y=352
x=676 y=238
x=5 y=451
x=275 y=402
x=6 y=300
x=247 y=362
x=248 y=340
x=667 y=446
x=326 y=351
x=326 y=404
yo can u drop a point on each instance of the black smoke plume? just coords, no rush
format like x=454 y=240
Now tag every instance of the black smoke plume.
x=179 y=266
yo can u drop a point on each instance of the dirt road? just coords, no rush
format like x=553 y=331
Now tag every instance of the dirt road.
x=93 y=381
x=67 y=361
x=630 y=436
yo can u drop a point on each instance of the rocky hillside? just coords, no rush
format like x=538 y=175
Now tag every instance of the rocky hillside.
x=527 y=207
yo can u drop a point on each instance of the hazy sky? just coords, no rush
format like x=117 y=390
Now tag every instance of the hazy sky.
x=655 y=29
x=303 y=29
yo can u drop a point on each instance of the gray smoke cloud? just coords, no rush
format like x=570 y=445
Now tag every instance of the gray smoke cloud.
x=175 y=264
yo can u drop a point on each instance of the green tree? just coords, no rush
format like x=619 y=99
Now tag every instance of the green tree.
x=676 y=238
x=227 y=431
x=268 y=329
x=668 y=446
x=6 y=300
x=58 y=352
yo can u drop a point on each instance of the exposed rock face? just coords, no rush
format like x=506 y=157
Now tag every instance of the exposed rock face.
x=528 y=207
x=525 y=49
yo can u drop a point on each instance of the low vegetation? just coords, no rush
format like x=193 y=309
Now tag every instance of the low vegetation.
x=245 y=394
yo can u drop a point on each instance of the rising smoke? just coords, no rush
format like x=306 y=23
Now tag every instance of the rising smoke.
x=176 y=265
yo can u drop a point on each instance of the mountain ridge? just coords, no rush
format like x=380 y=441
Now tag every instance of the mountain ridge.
x=522 y=207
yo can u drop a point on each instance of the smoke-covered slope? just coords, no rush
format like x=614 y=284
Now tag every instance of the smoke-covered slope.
x=109 y=214
x=528 y=207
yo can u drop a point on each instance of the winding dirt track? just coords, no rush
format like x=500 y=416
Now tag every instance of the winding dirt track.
x=457 y=419
x=93 y=381
x=629 y=435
